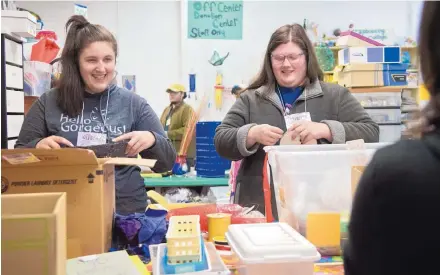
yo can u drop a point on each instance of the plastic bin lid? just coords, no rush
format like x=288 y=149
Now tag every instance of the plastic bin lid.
x=270 y=243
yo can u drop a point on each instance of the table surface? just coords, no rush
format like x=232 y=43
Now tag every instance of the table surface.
x=174 y=181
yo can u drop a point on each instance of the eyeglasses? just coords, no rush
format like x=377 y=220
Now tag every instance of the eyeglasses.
x=279 y=58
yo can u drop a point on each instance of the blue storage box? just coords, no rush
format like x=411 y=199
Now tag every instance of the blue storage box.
x=368 y=55
x=395 y=74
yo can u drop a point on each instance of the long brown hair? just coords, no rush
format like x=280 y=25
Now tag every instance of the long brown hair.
x=288 y=33
x=80 y=34
x=429 y=52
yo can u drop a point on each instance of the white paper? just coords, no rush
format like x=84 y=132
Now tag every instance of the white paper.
x=290 y=119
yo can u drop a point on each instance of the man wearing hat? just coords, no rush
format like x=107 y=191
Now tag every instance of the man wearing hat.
x=175 y=118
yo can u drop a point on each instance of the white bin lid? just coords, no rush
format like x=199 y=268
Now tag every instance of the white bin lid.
x=270 y=243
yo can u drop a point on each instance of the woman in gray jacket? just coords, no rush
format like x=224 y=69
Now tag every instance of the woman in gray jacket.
x=289 y=86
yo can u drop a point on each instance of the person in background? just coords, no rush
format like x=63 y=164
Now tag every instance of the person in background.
x=394 y=227
x=288 y=88
x=85 y=109
x=175 y=119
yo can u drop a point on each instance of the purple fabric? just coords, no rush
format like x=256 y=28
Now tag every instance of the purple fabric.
x=150 y=227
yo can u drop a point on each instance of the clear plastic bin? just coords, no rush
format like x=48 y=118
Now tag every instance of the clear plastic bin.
x=314 y=179
x=385 y=99
x=385 y=115
x=272 y=248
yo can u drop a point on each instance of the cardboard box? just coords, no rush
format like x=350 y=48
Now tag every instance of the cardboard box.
x=34 y=234
x=365 y=55
x=356 y=174
x=88 y=182
x=372 y=75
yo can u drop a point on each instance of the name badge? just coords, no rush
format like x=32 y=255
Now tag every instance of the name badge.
x=290 y=119
x=89 y=139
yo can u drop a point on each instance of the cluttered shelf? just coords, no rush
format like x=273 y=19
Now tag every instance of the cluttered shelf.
x=379 y=89
x=174 y=181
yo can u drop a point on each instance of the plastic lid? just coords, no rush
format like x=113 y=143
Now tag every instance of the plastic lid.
x=270 y=243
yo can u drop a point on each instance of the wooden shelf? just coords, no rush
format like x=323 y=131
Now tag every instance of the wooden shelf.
x=404 y=48
x=388 y=89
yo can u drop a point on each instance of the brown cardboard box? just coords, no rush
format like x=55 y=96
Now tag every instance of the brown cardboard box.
x=34 y=234
x=356 y=174
x=360 y=75
x=88 y=182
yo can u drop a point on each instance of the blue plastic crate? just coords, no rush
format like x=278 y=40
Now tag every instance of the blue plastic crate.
x=186 y=267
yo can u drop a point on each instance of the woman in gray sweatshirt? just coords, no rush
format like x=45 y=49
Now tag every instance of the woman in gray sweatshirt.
x=86 y=109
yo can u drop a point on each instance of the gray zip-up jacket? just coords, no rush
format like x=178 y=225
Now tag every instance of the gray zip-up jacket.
x=327 y=103
x=113 y=112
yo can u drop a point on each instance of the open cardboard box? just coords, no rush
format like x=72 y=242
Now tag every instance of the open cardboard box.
x=34 y=234
x=89 y=183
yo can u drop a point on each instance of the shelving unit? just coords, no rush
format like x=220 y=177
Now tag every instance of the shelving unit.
x=12 y=94
x=396 y=128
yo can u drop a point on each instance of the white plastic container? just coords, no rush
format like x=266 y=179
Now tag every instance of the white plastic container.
x=272 y=248
x=385 y=115
x=385 y=99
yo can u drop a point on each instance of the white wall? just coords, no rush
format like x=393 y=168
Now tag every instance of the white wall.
x=148 y=37
x=154 y=47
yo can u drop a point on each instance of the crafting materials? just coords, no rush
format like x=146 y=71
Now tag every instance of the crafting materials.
x=218 y=224
x=191 y=127
x=219 y=90
x=324 y=229
x=109 y=150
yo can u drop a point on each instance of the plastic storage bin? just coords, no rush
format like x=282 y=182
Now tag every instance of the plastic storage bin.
x=216 y=266
x=388 y=99
x=208 y=163
x=385 y=115
x=272 y=248
x=314 y=178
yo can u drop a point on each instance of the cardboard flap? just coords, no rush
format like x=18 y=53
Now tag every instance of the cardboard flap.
x=47 y=157
x=129 y=161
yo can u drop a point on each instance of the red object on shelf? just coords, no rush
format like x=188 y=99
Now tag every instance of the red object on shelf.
x=47 y=34
x=44 y=50
x=203 y=210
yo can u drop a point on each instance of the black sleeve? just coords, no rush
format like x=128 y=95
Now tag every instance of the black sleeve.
x=34 y=126
x=163 y=150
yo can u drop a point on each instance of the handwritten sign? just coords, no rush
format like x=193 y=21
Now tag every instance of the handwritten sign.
x=384 y=36
x=215 y=20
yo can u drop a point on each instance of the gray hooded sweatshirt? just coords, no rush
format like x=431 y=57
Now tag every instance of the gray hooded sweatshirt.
x=123 y=112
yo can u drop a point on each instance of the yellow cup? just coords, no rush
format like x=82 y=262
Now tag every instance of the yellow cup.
x=218 y=224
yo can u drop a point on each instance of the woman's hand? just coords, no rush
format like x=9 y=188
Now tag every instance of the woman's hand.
x=139 y=141
x=53 y=142
x=309 y=132
x=264 y=134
